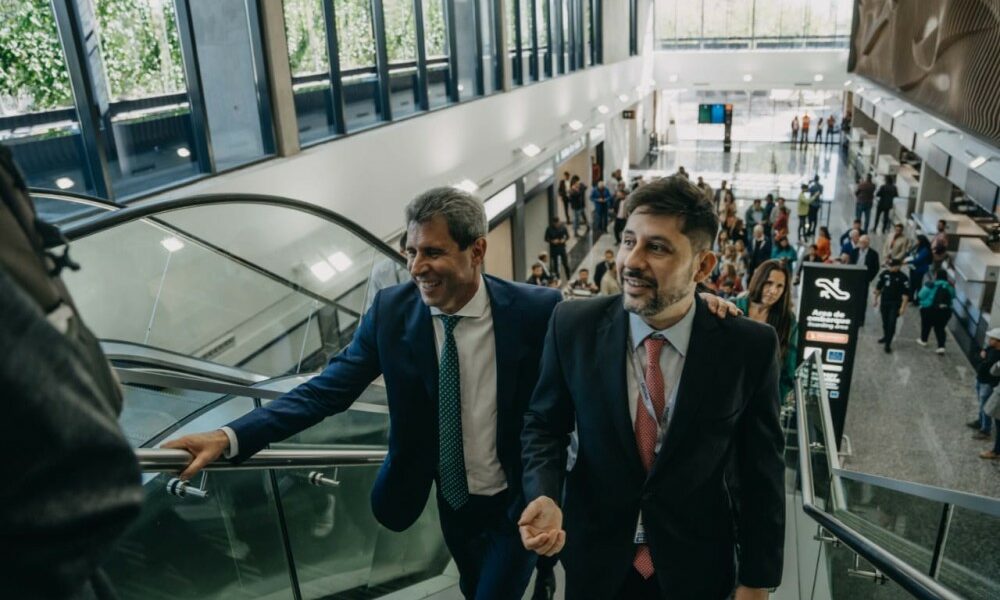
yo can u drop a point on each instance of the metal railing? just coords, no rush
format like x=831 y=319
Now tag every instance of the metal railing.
x=917 y=583
x=165 y=460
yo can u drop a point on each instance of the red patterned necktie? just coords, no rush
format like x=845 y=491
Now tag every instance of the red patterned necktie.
x=646 y=433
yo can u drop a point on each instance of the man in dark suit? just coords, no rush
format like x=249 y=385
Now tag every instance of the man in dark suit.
x=867 y=256
x=459 y=353
x=759 y=250
x=677 y=490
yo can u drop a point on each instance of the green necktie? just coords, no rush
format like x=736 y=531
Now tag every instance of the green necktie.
x=451 y=457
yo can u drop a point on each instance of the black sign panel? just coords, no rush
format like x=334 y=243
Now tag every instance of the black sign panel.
x=833 y=299
x=628 y=114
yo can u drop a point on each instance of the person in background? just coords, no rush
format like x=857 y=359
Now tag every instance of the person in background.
x=595 y=170
x=729 y=283
x=896 y=245
x=803 y=212
x=815 y=202
x=920 y=262
x=795 y=129
x=811 y=256
x=553 y=277
x=583 y=282
x=780 y=225
x=868 y=258
x=986 y=381
x=804 y=135
x=784 y=252
x=759 y=250
x=819 y=130
x=576 y=202
x=935 y=299
x=755 y=215
x=823 y=244
x=892 y=293
x=939 y=245
x=846 y=236
x=864 y=197
x=845 y=129
x=705 y=188
x=845 y=259
x=604 y=266
x=563 y=191
x=886 y=194
x=556 y=235
x=620 y=214
x=720 y=194
x=682 y=172
x=768 y=212
x=851 y=245
x=769 y=300
x=602 y=198
x=742 y=258
x=830 y=122
x=609 y=284
x=538 y=276
x=734 y=228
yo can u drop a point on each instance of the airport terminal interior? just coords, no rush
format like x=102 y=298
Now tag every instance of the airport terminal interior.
x=231 y=177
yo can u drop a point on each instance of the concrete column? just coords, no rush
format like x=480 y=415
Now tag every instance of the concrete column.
x=286 y=127
x=934 y=187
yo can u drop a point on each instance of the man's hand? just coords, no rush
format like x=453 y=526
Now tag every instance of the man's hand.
x=719 y=307
x=541 y=527
x=747 y=593
x=204 y=447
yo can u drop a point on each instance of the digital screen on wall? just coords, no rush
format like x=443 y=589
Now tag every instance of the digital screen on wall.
x=936 y=54
x=714 y=114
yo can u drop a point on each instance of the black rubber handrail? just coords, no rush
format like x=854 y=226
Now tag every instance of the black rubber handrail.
x=73 y=196
x=154 y=208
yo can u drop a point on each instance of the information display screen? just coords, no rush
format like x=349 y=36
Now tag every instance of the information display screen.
x=714 y=114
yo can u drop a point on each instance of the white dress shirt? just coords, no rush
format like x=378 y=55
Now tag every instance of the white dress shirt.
x=477 y=373
x=477 y=364
x=672 y=356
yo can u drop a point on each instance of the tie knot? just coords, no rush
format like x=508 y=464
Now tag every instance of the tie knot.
x=653 y=346
x=449 y=322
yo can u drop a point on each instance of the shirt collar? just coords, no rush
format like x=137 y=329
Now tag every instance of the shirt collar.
x=678 y=334
x=474 y=308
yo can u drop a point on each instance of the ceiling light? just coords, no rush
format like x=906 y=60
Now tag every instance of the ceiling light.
x=575 y=125
x=602 y=109
x=467 y=185
x=930 y=132
x=64 y=183
x=748 y=77
x=172 y=244
x=340 y=261
x=623 y=97
x=183 y=152
x=978 y=162
x=531 y=150
x=673 y=78
x=461 y=87
x=848 y=83
x=860 y=89
x=323 y=271
x=898 y=113
x=877 y=100
x=818 y=77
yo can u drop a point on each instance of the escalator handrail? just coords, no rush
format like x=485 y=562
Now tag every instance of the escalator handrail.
x=77 y=197
x=153 y=208
x=968 y=500
x=165 y=460
x=919 y=584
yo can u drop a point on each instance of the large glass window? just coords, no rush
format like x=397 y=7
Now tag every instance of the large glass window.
x=545 y=42
x=359 y=76
x=489 y=55
x=436 y=48
x=401 y=48
x=305 y=32
x=466 y=62
x=709 y=24
x=38 y=120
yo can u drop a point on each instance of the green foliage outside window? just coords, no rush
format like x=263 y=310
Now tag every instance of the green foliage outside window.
x=355 y=38
x=33 y=75
x=140 y=47
x=400 y=30
x=435 y=36
x=305 y=30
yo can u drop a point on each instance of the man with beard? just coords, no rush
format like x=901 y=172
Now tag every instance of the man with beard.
x=692 y=453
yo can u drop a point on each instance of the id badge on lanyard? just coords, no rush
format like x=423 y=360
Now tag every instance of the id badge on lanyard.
x=647 y=401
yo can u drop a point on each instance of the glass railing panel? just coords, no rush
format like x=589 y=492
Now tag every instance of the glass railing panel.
x=59 y=210
x=971 y=564
x=904 y=525
x=226 y=546
x=148 y=412
x=847 y=581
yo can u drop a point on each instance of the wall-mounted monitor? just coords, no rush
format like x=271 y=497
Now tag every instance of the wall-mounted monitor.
x=714 y=114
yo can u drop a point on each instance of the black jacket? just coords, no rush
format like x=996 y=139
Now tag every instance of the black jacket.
x=886 y=195
x=725 y=428
x=983 y=370
x=871 y=263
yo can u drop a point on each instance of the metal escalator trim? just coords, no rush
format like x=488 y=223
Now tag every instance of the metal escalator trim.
x=177 y=362
x=158 y=460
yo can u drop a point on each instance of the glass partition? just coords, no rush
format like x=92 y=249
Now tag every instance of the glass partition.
x=439 y=66
x=401 y=48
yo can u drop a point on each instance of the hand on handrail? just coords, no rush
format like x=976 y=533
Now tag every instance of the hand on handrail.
x=205 y=448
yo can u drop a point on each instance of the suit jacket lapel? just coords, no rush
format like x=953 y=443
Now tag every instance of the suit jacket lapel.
x=611 y=385
x=418 y=337
x=696 y=378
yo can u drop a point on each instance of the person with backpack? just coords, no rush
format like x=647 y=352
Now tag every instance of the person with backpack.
x=935 y=299
x=72 y=484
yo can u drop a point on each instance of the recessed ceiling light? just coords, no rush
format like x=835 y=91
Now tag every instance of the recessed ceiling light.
x=748 y=77
x=623 y=97
x=64 y=183
x=322 y=271
x=530 y=150
x=183 y=152
x=673 y=78
x=848 y=83
x=602 y=109
x=860 y=89
x=978 y=162
x=930 y=132
x=340 y=261
x=898 y=113
x=467 y=185
x=575 y=125
x=818 y=77
x=172 y=244
x=877 y=100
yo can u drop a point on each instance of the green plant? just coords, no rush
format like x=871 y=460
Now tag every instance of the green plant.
x=33 y=75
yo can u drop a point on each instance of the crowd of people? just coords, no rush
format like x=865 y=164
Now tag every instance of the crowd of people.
x=801 y=128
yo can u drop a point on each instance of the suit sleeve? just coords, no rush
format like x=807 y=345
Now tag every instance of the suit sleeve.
x=331 y=392
x=760 y=444
x=547 y=424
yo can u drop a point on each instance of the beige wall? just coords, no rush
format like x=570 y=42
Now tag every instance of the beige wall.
x=500 y=251
x=579 y=165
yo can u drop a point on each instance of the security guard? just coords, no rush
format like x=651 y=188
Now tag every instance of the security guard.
x=893 y=289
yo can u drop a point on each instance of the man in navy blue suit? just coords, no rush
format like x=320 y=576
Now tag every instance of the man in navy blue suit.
x=459 y=352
